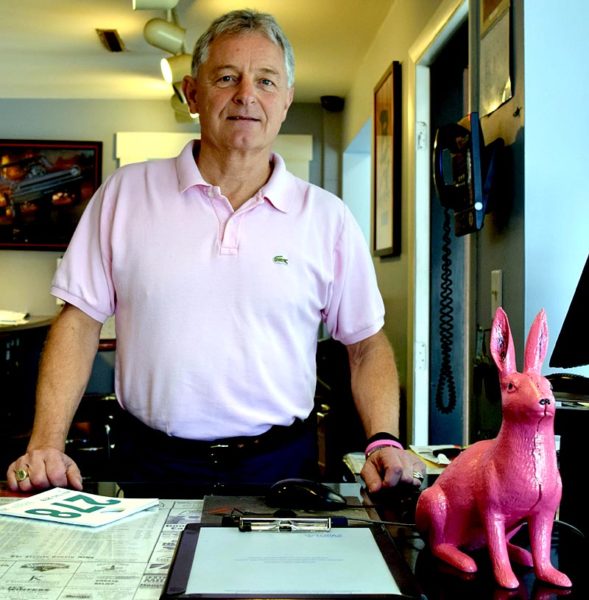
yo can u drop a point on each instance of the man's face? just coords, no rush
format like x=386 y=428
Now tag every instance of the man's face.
x=241 y=93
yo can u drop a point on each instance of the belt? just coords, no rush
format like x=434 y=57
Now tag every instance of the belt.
x=275 y=437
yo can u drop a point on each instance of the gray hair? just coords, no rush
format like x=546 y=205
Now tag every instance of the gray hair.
x=244 y=21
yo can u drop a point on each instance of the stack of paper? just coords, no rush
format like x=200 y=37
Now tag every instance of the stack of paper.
x=441 y=454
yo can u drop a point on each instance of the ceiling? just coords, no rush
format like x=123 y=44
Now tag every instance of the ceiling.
x=50 y=49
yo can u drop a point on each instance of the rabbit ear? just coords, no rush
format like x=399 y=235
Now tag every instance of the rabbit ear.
x=501 y=344
x=536 y=344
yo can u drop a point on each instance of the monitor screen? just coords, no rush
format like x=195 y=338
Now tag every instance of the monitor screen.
x=572 y=348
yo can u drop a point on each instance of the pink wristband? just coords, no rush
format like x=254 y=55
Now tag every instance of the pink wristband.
x=381 y=444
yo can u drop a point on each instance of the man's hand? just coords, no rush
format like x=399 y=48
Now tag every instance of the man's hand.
x=43 y=468
x=388 y=466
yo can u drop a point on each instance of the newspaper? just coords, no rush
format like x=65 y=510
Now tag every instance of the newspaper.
x=127 y=560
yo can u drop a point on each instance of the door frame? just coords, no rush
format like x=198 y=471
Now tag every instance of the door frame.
x=440 y=28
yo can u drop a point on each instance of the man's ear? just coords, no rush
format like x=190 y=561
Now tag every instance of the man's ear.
x=289 y=99
x=189 y=91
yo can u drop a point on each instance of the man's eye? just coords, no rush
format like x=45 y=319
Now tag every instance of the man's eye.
x=225 y=79
x=267 y=82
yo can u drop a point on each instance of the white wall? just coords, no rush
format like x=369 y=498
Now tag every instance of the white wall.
x=357 y=179
x=25 y=275
x=556 y=155
x=401 y=27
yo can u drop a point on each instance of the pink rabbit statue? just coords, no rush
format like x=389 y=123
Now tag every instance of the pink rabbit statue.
x=495 y=486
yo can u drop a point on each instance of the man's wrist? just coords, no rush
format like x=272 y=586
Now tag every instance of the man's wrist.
x=382 y=435
x=380 y=440
x=55 y=443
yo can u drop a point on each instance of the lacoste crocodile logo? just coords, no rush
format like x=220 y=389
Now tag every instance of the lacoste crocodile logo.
x=281 y=260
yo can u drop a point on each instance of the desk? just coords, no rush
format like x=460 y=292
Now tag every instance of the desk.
x=129 y=560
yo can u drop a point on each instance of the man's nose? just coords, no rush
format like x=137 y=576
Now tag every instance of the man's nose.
x=246 y=91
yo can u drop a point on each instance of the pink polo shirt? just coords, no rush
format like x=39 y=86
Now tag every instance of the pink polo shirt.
x=217 y=311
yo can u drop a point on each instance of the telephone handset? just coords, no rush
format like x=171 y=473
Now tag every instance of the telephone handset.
x=458 y=172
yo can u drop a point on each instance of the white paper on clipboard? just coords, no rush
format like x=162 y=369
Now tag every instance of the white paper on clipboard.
x=340 y=561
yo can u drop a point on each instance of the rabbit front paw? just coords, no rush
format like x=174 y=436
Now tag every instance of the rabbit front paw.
x=455 y=557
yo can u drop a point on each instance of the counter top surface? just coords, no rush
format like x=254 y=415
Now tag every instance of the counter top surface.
x=131 y=558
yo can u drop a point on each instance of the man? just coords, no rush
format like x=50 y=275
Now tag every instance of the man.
x=219 y=266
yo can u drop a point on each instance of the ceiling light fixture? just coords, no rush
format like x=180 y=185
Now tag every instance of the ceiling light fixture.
x=175 y=67
x=165 y=35
x=154 y=4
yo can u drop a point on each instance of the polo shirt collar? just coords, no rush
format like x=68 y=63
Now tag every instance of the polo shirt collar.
x=275 y=190
x=187 y=169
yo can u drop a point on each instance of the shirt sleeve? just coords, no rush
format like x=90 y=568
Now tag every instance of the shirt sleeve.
x=356 y=309
x=84 y=276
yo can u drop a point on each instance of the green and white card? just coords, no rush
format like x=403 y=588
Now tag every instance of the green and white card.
x=60 y=505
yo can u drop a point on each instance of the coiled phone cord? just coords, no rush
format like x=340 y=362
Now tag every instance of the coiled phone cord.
x=446 y=377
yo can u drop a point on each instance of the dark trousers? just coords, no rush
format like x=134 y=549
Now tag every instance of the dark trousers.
x=147 y=456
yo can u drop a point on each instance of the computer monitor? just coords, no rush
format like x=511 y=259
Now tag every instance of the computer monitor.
x=572 y=345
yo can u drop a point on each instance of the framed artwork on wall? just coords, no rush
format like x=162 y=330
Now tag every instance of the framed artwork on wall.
x=44 y=188
x=387 y=163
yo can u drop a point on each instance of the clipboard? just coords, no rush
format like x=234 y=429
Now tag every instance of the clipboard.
x=214 y=561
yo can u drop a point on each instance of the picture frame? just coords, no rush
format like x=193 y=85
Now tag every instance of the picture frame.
x=387 y=163
x=45 y=186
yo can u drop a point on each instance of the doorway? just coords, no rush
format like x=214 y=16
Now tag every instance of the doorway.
x=448 y=269
x=448 y=20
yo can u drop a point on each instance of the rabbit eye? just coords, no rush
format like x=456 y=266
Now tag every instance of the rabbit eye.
x=510 y=386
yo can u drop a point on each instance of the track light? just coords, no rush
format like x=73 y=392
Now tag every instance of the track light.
x=175 y=67
x=154 y=4
x=165 y=35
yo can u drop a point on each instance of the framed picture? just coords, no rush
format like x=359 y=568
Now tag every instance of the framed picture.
x=387 y=163
x=44 y=188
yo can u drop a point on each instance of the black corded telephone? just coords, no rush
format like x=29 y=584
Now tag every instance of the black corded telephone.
x=464 y=173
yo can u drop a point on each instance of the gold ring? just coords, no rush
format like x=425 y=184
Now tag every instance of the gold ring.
x=21 y=474
x=418 y=475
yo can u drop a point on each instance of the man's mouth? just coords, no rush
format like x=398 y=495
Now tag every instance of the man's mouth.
x=242 y=118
